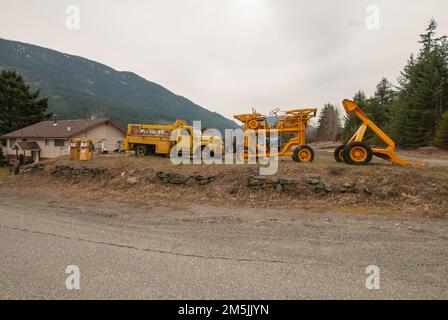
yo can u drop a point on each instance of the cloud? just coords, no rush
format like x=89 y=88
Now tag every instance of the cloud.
x=231 y=55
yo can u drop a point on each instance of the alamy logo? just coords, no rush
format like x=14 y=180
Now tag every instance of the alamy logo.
x=373 y=280
x=73 y=21
x=73 y=280
x=373 y=17
x=208 y=147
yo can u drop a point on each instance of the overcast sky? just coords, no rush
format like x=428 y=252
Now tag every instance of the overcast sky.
x=231 y=55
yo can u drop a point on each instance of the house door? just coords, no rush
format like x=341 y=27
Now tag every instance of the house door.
x=35 y=156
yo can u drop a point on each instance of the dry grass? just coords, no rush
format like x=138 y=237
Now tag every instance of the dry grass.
x=421 y=191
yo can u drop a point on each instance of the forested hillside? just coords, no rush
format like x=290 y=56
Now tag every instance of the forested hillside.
x=79 y=88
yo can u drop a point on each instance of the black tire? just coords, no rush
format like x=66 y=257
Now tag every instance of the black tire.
x=141 y=150
x=358 y=153
x=303 y=154
x=339 y=153
x=208 y=151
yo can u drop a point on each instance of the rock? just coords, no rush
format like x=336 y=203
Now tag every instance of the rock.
x=73 y=172
x=256 y=181
x=294 y=182
x=203 y=182
x=177 y=178
x=279 y=188
x=161 y=175
x=349 y=184
x=131 y=172
x=33 y=168
x=327 y=187
x=324 y=186
x=132 y=181
x=313 y=182
x=368 y=191
x=311 y=176
x=388 y=191
x=278 y=184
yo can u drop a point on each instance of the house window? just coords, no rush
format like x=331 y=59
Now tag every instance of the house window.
x=12 y=142
x=47 y=142
x=3 y=143
x=59 y=142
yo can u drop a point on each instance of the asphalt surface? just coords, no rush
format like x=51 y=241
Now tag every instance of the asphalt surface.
x=197 y=252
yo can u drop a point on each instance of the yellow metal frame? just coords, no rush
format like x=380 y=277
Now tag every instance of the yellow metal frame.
x=162 y=141
x=385 y=153
x=294 y=121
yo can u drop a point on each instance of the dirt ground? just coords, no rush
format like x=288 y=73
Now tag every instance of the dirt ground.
x=378 y=188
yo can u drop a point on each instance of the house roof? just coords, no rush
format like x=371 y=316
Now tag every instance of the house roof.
x=60 y=129
x=26 y=146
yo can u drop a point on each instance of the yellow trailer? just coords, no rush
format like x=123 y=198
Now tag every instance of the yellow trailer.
x=146 y=139
x=357 y=152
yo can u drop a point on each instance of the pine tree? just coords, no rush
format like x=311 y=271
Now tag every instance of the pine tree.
x=351 y=122
x=19 y=106
x=329 y=126
x=423 y=93
x=441 y=137
x=381 y=103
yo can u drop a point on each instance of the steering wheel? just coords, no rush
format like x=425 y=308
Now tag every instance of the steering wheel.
x=274 y=112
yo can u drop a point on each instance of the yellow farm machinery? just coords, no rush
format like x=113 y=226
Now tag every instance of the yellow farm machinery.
x=357 y=152
x=291 y=128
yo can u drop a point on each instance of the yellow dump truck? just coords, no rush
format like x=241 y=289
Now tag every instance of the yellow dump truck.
x=146 y=139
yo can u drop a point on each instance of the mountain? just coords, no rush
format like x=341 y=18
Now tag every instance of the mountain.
x=78 y=88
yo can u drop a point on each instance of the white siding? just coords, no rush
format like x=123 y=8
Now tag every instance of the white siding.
x=105 y=132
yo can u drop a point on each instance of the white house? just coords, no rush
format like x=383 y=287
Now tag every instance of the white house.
x=51 y=139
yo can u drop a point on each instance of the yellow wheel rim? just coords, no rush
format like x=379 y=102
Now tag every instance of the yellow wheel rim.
x=341 y=154
x=305 y=155
x=244 y=155
x=358 y=154
x=253 y=124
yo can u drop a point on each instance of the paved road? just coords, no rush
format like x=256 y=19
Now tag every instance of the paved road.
x=195 y=252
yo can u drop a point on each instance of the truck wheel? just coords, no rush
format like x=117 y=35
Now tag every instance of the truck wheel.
x=358 y=153
x=253 y=124
x=141 y=150
x=339 y=153
x=206 y=153
x=303 y=154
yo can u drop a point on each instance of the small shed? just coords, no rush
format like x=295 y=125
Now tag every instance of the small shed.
x=25 y=147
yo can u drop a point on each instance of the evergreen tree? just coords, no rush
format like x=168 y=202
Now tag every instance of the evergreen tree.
x=423 y=96
x=329 y=126
x=351 y=122
x=380 y=104
x=441 y=137
x=19 y=106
